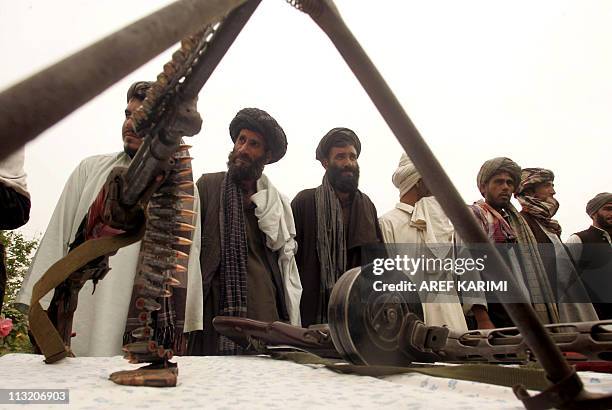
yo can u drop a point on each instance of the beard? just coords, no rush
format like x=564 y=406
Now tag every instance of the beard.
x=343 y=183
x=602 y=222
x=129 y=151
x=251 y=170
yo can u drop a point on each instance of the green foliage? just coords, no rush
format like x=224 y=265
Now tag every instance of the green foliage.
x=18 y=255
x=19 y=252
x=17 y=341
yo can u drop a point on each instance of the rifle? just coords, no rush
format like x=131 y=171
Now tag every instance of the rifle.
x=159 y=179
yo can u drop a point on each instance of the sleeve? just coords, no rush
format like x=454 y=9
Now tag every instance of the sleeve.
x=386 y=230
x=14 y=208
x=574 y=246
x=194 y=306
x=57 y=237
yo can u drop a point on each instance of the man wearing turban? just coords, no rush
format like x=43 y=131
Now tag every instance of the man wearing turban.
x=497 y=180
x=333 y=222
x=248 y=247
x=104 y=319
x=536 y=195
x=592 y=251
x=421 y=226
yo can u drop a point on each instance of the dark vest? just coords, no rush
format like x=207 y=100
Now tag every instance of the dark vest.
x=595 y=266
x=593 y=256
x=210 y=188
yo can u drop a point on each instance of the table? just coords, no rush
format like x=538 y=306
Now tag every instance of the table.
x=253 y=382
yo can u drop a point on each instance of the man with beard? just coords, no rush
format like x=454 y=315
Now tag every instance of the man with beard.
x=333 y=222
x=101 y=318
x=592 y=251
x=497 y=180
x=248 y=247
x=536 y=196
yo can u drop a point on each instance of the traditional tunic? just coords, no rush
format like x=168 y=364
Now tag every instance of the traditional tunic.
x=100 y=318
x=426 y=229
x=361 y=229
x=273 y=286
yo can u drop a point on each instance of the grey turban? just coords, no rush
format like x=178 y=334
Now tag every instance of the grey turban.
x=406 y=175
x=596 y=203
x=495 y=166
x=261 y=122
x=337 y=137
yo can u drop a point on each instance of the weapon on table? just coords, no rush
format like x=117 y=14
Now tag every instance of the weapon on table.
x=564 y=377
x=368 y=327
x=159 y=178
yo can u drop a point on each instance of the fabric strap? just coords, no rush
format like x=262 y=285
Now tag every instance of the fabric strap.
x=532 y=378
x=46 y=335
x=331 y=244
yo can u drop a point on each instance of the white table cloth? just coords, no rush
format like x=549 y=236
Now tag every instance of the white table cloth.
x=253 y=382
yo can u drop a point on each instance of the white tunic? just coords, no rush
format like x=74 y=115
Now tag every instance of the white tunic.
x=100 y=318
x=426 y=225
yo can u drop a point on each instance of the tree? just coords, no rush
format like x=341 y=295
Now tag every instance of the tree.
x=19 y=252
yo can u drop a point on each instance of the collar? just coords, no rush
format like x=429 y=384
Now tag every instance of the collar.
x=409 y=209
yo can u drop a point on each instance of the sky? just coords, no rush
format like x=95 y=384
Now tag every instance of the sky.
x=528 y=80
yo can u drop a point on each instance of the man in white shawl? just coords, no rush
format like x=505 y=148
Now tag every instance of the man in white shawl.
x=100 y=318
x=248 y=247
x=418 y=223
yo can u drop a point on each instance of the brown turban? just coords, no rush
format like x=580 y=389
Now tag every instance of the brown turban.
x=495 y=166
x=261 y=122
x=337 y=137
x=138 y=90
x=530 y=177
x=596 y=203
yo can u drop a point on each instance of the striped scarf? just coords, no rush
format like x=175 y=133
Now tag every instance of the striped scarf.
x=234 y=253
x=542 y=211
x=331 y=244
x=532 y=265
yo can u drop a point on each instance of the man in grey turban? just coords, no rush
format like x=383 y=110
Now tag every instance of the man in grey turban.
x=248 y=249
x=333 y=223
x=592 y=252
x=497 y=180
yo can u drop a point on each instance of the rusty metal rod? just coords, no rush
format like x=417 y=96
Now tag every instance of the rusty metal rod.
x=327 y=17
x=35 y=104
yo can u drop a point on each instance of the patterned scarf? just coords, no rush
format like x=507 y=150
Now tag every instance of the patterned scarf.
x=494 y=224
x=234 y=252
x=331 y=244
x=542 y=211
x=532 y=265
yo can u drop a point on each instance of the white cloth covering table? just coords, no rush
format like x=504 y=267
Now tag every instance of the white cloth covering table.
x=253 y=382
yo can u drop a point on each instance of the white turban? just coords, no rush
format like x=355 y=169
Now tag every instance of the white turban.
x=406 y=175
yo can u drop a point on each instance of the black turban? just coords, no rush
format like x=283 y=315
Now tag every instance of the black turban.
x=261 y=122
x=337 y=137
x=138 y=90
